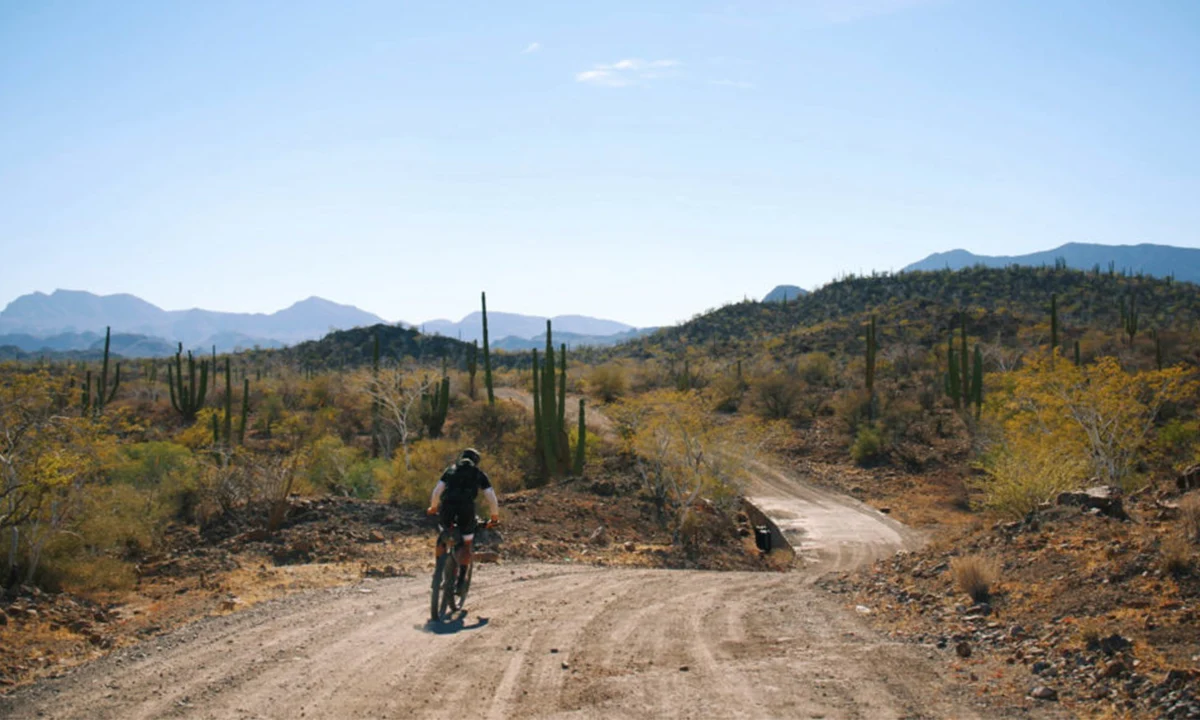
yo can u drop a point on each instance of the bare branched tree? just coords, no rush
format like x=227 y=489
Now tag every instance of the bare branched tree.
x=397 y=390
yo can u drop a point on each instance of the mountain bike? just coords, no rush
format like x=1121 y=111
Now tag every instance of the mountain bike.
x=448 y=592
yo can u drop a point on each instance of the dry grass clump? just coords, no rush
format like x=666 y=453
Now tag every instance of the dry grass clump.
x=975 y=575
x=1189 y=517
x=1176 y=554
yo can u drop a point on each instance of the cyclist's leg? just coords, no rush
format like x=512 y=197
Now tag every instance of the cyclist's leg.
x=465 y=517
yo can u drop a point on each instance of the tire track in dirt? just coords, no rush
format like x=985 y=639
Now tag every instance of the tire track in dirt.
x=631 y=644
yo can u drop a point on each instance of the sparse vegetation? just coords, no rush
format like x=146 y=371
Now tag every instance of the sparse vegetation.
x=975 y=575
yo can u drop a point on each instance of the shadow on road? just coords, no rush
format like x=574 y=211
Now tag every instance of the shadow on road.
x=457 y=625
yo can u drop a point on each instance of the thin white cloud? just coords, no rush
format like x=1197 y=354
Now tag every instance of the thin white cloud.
x=531 y=48
x=629 y=71
x=740 y=84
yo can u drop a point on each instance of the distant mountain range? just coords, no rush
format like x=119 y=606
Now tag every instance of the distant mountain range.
x=502 y=325
x=512 y=343
x=71 y=321
x=75 y=320
x=1154 y=260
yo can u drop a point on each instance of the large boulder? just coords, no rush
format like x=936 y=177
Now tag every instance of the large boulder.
x=1101 y=498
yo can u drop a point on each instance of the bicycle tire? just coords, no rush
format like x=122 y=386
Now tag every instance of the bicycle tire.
x=449 y=577
x=435 y=602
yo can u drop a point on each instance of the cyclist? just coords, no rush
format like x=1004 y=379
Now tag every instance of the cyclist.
x=453 y=500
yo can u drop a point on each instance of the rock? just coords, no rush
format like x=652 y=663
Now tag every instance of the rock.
x=1042 y=692
x=1113 y=669
x=630 y=546
x=684 y=668
x=1110 y=645
x=963 y=649
x=599 y=536
x=565 y=665
x=1040 y=667
x=375 y=537
x=862 y=609
x=1189 y=479
x=603 y=488
x=553 y=651
x=1106 y=500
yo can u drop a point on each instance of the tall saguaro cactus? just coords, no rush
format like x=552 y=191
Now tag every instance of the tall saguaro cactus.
x=1053 y=322
x=472 y=366
x=187 y=397
x=549 y=409
x=95 y=401
x=580 y=443
x=487 y=357
x=1129 y=316
x=435 y=403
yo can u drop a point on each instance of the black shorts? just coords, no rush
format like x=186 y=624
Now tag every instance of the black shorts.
x=460 y=513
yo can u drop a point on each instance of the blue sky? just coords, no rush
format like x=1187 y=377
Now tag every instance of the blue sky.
x=639 y=161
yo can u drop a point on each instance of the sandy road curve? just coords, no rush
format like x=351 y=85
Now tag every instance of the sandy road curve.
x=830 y=531
x=542 y=641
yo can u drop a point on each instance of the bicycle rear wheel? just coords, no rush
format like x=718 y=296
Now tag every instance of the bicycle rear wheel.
x=447 y=604
x=435 y=590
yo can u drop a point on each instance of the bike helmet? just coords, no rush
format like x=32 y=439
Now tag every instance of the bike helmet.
x=471 y=454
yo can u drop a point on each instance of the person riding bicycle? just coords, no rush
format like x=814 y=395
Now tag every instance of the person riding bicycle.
x=455 y=493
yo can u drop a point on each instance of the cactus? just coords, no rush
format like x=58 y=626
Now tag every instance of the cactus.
x=965 y=359
x=1129 y=316
x=487 y=357
x=977 y=382
x=1077 y=363
x=472 y=365
x=103 y=395
x=376 y=422
x=1053 y=322
x=871 y=351
x=227 y=425
x=549 y=410
x=580 y=449
x=435 y=405
x=953 y=384
x=562 y=387
x=187 y=399
x=539 y=437
x=245 y=411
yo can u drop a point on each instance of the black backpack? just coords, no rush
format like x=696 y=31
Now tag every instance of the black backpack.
x=462 y=482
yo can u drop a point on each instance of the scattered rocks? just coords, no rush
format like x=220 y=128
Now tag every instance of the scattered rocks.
x=1044 y=693
x=1101 y=498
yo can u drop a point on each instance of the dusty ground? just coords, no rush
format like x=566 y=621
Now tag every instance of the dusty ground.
x=546 y=641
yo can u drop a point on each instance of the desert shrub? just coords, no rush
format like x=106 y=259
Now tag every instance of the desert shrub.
x=199 y=434
x=412 y=484
x=165 y=469
x=778 y=396
x=815 y=368
x=607 y=382
x=114 y=524
x=1175 y=553
x=1189 y=517
x=868 y=445
x=1025 y=474
x=852 y=407
x=727 y=392
x=338 y=469
x=488 y=427
x=975 y=576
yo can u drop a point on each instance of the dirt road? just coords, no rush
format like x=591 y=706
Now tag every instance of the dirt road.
x=543 y=641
